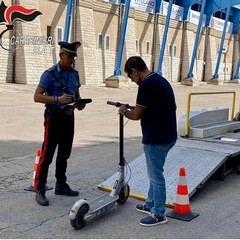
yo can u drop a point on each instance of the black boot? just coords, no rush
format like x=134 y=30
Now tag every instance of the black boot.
x=64 y=189
x=41 y=198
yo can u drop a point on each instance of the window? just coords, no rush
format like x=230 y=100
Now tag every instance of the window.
x=225 y=69
x=49 y=28
x=100 y=41
x=107 y=42
x=170 y=50
x=148 y=48
x=59 y=34
x=174 y=51
x=137 y=45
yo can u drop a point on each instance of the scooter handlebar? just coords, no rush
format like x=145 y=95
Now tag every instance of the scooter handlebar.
x=118 y=104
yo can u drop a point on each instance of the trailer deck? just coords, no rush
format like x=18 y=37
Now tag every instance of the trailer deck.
x=201 y=159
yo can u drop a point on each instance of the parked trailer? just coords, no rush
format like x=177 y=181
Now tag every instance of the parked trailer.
x=209 y=143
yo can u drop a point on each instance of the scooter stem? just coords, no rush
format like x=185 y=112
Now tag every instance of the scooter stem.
x=121 y=147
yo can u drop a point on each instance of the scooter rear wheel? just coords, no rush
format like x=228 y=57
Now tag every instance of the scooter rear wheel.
x=79 y=221
x=123 y=195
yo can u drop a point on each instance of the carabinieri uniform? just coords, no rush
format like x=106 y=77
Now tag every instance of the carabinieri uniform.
x=58 y=124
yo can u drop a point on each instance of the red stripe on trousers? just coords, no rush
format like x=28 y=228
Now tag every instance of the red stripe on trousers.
x=43 y=152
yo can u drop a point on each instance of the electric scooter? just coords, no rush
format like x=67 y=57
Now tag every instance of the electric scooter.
x=84 y=211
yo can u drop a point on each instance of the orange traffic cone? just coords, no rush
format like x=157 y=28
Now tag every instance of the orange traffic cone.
x=38 y=155
x=182 y=209
x=36 y=164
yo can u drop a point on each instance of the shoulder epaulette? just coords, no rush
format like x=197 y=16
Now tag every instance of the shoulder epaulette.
x=51 y=68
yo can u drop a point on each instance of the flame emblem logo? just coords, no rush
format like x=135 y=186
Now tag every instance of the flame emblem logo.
x=9 y=15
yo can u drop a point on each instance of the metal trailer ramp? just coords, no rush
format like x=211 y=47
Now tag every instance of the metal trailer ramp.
x=199 y=158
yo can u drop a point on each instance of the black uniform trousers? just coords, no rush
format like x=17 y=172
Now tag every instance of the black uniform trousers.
x=59 y=131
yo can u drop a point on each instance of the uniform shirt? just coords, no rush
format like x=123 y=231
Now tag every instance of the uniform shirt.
x=158 y=123
x=54 y=80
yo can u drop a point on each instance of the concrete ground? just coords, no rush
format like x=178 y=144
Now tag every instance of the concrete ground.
x=95 y=158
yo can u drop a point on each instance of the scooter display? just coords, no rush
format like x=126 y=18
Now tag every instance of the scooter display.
x=84 y=211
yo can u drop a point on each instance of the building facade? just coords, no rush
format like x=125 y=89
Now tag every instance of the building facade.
x=31 y=47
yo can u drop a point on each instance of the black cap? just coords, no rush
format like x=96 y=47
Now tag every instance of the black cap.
x=70 y=48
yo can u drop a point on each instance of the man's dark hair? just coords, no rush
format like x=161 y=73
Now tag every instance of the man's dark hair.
x=135 y=62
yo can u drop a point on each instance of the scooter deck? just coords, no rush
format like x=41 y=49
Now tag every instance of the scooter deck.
x=102 y=202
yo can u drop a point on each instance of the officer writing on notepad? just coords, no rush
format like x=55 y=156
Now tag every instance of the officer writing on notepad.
x=58 y=86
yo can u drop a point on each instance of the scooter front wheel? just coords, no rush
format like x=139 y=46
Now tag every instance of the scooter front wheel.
x=79 y=221
x=124 y=194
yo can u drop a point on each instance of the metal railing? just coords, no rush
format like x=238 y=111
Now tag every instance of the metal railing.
x=205 y=93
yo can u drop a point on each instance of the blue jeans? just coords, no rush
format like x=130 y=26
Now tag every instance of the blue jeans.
x=155 y=159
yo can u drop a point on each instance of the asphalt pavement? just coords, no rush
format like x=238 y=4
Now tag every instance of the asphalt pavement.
x=94 y=158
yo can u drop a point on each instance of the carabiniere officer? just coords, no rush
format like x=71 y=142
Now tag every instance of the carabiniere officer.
x=57 y=87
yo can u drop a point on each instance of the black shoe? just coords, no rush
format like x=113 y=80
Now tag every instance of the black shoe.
x=153 y=220
x=41 y=199
x=64 y=189
x=142 y=208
